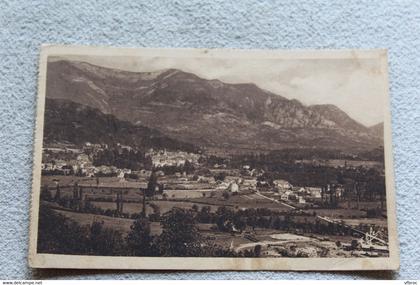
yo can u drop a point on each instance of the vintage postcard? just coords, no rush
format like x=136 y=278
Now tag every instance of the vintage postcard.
x=196 y=159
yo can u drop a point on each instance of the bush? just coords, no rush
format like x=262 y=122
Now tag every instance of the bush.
x=257 y=250
x=324 y=252
x=131 y=176
x=220 y=176
x=354 y=244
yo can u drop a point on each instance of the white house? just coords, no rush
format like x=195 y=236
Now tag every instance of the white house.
x=121 y=176
x=233 y=187
x=281 y=184
x=284 y=197
x=301 y=190
x=83 y=157
x=222 y=186
x=315 y=192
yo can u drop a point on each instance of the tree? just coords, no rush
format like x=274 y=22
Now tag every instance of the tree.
x=60 y=235
x=226 y=195
x=150 y=190
x=180 y=236
x=151 y=185
x=239 y=222
x=257 y=250
x=220 y=176
x=95 y=231
x=340 y=178
x=57 y=234
x=224 y=218
x=155 y=216
x=354 y=244
x=188 y=167
x=139 y=239
x=57 y=193
x=268 y=177
x=45 y=194
x=104 y=241
x=204 y=215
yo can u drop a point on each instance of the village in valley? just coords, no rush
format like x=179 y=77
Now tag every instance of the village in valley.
x=238 y=206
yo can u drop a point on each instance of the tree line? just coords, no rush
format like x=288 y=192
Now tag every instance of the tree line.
x=180 y=237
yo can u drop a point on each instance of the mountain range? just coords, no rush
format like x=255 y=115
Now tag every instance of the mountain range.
x=210 y=114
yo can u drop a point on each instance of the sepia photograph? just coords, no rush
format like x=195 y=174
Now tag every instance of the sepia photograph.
x=213 y=159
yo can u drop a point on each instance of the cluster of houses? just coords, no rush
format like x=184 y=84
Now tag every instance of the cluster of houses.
x=234 y=181
x=80 y=168
x=183 y=186
x=80 y=163
x=303 y=195
x=287 y=192
x=162 y=158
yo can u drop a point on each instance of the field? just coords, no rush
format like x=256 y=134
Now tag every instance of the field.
x=164 y=206
x=344 y=162
x=280 y=243
x=67 y=179
x=238 y=201
x=338 y=213
x=119 y=224
x=355 y=222
x=275 y=242
x=364 y=205
x=242 y=202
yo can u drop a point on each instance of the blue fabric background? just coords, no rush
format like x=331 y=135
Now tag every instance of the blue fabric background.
x=25 y=25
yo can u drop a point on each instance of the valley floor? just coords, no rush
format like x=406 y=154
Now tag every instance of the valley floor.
x=290 y=242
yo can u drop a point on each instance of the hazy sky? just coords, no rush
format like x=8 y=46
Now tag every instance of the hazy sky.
x=354 y=85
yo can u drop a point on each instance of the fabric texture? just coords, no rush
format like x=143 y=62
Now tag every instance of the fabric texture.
x=255 y=24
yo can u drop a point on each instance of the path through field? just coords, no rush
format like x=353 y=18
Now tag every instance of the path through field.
x=274 y=200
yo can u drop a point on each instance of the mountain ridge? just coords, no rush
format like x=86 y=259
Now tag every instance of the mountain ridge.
x=377 y=129
x=206 y=112
x=70 y=122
